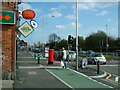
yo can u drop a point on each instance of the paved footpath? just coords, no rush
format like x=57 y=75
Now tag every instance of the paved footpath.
x=31 y=75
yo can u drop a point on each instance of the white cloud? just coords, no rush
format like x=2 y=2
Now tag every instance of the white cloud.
x=60 y=27
x=62 y=6
x=24 y=6
x=93 y=5
x=38 y=10
x=102 y=13
x=109 y=20
x=53 y=9
x=73 y=25
x=55 y=14
x=57 y=8
x=70 y=17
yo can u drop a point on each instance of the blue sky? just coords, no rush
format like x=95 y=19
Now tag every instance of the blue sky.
x=93 y=16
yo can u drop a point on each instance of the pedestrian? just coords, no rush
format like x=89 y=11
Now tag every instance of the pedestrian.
x=64 y=57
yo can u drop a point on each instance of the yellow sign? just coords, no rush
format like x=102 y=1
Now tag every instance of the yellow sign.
x=25 y=29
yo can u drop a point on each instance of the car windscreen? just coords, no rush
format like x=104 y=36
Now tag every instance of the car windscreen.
x=71 y=52
x=97 y=55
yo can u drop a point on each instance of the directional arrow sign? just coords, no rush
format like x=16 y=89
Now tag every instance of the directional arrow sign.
x=25 y=29
x=7 y=17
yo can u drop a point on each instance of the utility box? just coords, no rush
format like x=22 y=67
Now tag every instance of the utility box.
x=51 y=56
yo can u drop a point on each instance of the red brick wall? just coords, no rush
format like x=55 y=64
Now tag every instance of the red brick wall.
x=8 y=42
x=8 y=48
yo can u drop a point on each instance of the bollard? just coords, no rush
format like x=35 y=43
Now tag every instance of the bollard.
x=38 y=59
x=34 y=55
x=98 y=67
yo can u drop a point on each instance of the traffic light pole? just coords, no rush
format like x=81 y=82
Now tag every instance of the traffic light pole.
x=76 y=35
x=68 y=52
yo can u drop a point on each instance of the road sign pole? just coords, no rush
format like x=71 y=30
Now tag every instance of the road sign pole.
x=76 y=35
x=98 y=67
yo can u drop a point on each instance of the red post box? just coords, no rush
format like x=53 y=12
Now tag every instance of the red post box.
x=51 y=56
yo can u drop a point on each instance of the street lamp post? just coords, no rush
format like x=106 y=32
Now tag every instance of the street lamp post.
x=107 y=39
x=76 y=35
x=43 y=28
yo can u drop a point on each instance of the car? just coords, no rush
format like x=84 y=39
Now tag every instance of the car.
x=90 y=51
x=82 y=52
x=94 y=57
x=71 y=56
x=58 y=55
x=118 y=52
x=36 y=50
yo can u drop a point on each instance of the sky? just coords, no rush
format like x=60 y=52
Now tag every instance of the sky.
x=93 y=16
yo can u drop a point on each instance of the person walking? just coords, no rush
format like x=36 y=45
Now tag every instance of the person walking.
x=64 y=57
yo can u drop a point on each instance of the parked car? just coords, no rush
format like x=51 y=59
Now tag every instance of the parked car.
x=36 y=50
x=58 y=55
x=82 y=52
x=94 y=57
x=118 y=52
x=90 y=51
x=71 y=56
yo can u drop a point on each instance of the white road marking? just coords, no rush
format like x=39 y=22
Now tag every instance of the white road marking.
x=24 y=57
x=30 y=67
x=100 y=76
x=103 y=65
x=60 y=79
x=32 y=73
x=116 y=79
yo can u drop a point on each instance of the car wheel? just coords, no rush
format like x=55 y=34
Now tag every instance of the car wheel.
x=104 y=63
x=93 y=61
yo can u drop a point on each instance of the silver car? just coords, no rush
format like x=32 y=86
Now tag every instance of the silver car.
x=94 y=57
x=71 y=56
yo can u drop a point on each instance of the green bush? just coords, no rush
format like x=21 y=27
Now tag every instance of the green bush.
x=83 y=55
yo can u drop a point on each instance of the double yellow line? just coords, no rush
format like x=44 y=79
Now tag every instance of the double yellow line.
x=109 y=75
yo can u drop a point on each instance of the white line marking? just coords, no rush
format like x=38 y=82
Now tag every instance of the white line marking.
x=100 y=76
x=29 y=67
x=102 y=65
x=116 y=79
x=60 y=79
x=24 y=57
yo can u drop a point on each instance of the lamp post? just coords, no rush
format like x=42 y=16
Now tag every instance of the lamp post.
x=107 y=45
x=43 y=28
x=76 y=35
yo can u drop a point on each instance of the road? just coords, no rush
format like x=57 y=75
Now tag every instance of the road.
x=32 y=75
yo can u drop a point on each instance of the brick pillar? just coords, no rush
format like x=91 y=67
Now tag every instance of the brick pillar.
x=8 y=49
x=8 y=43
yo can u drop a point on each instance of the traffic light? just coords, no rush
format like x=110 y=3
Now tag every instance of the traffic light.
x=70 y=39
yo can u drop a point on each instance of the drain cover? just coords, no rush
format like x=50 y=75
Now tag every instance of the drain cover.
x=71 y=74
